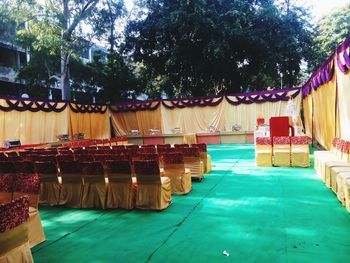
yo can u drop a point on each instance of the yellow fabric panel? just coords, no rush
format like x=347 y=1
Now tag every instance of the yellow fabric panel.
x=307 y=107
x=93 y=125
x=343 y=103
x=194 y=120
x=246 y=114
x=124 y=122
x=324 y=113
x=149 y=120
x=33 y=127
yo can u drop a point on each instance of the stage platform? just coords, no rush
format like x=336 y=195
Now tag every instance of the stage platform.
x=190 y=138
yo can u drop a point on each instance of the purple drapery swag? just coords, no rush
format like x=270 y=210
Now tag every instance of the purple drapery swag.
x=135 y=106
x=18 y=104
x=326 y=72
x=87 y=108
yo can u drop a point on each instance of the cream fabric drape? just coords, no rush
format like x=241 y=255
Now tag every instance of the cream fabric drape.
x=324 y=99
x=307 y=109
x=93 y=125
x=33 y=127
x=124 y=122
x=343 y=103
x=194 y=120
x=246 y=114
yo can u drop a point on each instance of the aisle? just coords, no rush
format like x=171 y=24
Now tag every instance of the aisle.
x=255 y=214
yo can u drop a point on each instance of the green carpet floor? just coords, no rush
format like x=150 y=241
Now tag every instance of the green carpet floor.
x=254 y=214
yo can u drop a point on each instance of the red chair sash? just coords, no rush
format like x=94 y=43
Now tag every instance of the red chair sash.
x=14 y=213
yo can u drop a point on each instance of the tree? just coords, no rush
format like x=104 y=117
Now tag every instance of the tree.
x=330 y=32
x=198 y=47
x=60 y=23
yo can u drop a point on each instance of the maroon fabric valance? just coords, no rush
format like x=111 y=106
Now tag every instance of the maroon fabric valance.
x=87 y=108
x=135 y=106
x=192 y=102
x=262 y=96
x=32 y=105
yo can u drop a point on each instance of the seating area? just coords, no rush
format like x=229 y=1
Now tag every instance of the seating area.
x=105 y=176
x=282 y=151
x=334 y=169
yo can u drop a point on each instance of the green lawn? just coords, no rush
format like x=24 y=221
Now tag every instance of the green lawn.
x=255 y=214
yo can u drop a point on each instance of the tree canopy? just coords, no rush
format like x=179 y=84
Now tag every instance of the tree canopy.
x=210 y=46
x=168 y=47
x=330 y=31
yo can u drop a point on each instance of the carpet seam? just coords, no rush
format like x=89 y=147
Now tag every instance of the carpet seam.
x=177 y=226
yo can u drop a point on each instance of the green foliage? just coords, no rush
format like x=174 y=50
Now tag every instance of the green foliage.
x=200 y=47
x=331 y=31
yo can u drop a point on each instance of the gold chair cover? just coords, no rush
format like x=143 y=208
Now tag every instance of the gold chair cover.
x=341 y=178
x=14 y=245
x=209 y=168
x=195 y=165
x=49 y=189
x=121 y=191
x=180 y=178
x=263 y=155
x=94 y=191
x=72 y=190
x=300 y=156
x=281 y=155
x=153 y=192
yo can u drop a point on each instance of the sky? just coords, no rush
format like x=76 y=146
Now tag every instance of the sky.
x=319 y=8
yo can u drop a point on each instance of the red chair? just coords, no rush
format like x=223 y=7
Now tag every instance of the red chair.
x=49 y=185
x=72 y=183
x=84 y=158
x=149 y=156
x=94 y=188
x=14 y=245
x=65 y=158
x=147 y=150
x=24 y=167
x=47 y=158
x=7 y=168
x=184 y=145
x=11 y=154
x=119 y=147
x=279 y=126
x=121 y=188
x=153 y=191
x=163 y=146
x=148 y=146
x=15 y=158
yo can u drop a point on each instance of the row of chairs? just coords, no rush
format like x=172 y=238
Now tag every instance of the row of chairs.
x=334 y=169
x=14 y=237
x=282 y=151
x=75 y=184
x=87 y=142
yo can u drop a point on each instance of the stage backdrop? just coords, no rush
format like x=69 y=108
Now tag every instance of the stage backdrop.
x=196 y=115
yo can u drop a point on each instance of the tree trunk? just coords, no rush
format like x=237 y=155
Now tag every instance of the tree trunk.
x=65 y=83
